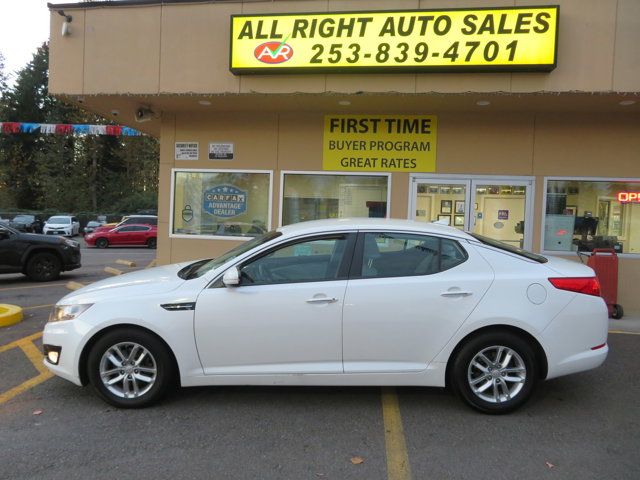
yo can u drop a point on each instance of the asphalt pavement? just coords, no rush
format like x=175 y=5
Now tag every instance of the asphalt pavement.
x=585 y=426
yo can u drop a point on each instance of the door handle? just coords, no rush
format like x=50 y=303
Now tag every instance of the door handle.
x=456 y=294
x=322 y=300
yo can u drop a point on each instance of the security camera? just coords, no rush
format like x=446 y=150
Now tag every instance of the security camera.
x=144 y=114
x=115 y=112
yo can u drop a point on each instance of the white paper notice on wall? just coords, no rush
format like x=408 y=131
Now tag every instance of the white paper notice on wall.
x=220 y=151
x=187 y=150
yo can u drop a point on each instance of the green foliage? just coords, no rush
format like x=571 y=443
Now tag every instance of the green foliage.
x=69 y=173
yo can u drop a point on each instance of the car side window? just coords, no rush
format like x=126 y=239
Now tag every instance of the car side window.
x=126 y=229
x=387 y=254
x=313 y=260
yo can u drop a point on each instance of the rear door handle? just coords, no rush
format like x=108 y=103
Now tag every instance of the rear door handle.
x=456 y=294
x=322 y=300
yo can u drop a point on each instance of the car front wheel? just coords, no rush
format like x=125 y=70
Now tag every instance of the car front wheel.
x=43 y=267
x=152 y=243
x=130 y=368
x=102 y=243
x=495 y=372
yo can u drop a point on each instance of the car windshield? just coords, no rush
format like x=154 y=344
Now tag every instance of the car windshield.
x=509 y=248
x=23 y=218
x=59 y=220
x=199 y=268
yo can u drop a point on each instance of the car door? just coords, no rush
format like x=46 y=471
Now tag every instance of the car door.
x=11 y=250
x=286 y=314
x=407 y=296
x=120 y=236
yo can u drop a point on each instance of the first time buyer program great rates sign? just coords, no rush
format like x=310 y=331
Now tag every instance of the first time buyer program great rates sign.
x=490 y=39
x=379 y=143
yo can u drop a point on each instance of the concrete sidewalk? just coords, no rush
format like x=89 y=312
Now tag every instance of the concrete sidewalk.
x=628 y=323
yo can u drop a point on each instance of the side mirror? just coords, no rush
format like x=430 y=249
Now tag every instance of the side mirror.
x=231 y=277
x=4 y=234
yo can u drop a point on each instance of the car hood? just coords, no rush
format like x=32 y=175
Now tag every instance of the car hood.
x=149 y=281
x=39 y=238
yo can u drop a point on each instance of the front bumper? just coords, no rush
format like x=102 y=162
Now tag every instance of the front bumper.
x=68 y=337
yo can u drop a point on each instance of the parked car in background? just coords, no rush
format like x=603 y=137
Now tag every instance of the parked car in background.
x=27 y=223
x=125 y=235
x=338 y=302
x=131 y=219
x=39 y=257
x=92 y=225
x=66 y=225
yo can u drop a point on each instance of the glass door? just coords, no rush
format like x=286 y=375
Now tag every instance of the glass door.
x=441 y=201
x=499 y=208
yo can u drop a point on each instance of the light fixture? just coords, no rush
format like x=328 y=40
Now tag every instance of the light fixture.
x=626 y=103
x=344 y=103
x=483 y=103
x=206 y=103
x=66 y=29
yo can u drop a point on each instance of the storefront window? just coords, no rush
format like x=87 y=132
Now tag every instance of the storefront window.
x=318 y=196
x=221 y=203
x=583 y=214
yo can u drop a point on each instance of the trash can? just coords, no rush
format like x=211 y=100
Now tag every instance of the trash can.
x=604 y=262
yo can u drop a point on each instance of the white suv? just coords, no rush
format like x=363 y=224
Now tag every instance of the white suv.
x=62 y=225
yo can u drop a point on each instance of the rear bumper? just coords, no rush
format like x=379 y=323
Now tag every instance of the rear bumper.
x=573 y=340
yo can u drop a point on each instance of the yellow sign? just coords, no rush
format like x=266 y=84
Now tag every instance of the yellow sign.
x=492 y=39
x=379 y=143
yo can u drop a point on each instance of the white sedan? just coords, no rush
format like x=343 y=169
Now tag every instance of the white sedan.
x=337 y=302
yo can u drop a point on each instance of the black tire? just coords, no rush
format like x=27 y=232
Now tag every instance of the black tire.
x=102 y=242
x=618 y=312
x=463 y=372
x=152 y=243
x=157 y=357
x=43 y=267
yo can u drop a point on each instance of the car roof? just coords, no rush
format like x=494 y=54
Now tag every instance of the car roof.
x=135 y=225
x=320 y=226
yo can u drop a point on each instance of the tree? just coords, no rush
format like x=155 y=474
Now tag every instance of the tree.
x=70 y=173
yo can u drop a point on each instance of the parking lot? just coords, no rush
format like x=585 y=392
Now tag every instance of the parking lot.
x=582 y=426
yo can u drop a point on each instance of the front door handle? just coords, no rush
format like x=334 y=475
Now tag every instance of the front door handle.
x=322 y=300
x=457 y=293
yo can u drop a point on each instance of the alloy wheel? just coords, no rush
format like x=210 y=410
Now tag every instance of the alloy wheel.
x=496 y=374
x=128 y=370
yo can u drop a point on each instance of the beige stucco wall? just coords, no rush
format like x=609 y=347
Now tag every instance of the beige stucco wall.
x=514 y=144
x=184 y=49
x=129 y=55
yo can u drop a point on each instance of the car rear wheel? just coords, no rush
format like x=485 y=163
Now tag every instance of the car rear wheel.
x=130 y=368
x=152 y=243
x=102 y=243
x=495 y=372
x=43 y=267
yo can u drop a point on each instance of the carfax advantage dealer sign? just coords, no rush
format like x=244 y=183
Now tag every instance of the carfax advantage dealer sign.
x=491 y=39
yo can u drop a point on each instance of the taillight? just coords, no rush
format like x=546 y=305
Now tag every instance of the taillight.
x=586 y=285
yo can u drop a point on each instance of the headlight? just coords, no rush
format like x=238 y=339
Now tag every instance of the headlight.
x=67 y=312
x=70 y=243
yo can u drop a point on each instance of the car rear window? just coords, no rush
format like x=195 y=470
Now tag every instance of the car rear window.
x=509 y=248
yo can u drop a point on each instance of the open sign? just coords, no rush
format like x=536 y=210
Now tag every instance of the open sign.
x=629 y=197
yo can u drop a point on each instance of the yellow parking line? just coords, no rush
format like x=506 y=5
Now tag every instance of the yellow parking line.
x=32 y=286
x=623 y=332
x=398 y=467
x=35 y=356
x=38 y=306
x=23 y=387
x=17 y=343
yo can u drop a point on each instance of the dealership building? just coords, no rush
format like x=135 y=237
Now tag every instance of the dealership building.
x=511 y=119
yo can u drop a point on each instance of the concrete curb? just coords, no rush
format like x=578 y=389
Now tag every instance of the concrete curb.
x=113 y=271
x=128 y=263
x=9 y=314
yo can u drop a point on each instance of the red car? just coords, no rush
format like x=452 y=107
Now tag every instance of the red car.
x=124 y=235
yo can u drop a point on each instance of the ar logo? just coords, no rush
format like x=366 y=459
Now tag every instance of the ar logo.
x=273 y=52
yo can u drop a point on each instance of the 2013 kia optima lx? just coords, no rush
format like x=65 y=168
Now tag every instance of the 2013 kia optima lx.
x=337 y=302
